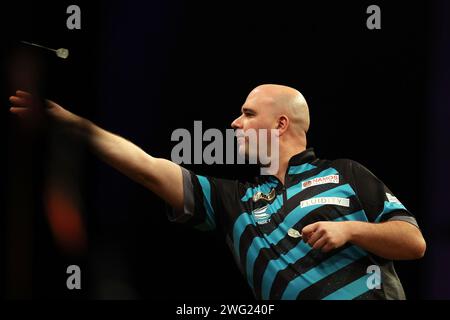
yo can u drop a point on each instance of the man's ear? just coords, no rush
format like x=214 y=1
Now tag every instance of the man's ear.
x=283 y=124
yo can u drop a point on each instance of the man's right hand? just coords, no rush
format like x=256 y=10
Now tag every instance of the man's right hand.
x=25 y=105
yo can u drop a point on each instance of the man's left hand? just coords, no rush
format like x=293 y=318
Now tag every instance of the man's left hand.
x=326 y=235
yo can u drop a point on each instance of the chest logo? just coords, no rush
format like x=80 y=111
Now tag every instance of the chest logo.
x=260 y=215
x=343 y=202
x=262 y=196
x=334 y=178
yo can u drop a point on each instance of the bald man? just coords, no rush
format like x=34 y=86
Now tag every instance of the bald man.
x=316 y=229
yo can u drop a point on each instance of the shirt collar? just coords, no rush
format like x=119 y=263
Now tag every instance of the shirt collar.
x=305 y=156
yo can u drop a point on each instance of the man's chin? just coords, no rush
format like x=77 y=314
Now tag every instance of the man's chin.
x=250 y=157
x=243 y=152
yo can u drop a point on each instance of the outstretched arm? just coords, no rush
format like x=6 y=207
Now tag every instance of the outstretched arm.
x=161 y=176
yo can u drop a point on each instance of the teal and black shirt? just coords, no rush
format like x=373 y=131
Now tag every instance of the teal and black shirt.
x=262 y=221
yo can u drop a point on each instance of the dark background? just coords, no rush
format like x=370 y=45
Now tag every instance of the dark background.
x=142 y=69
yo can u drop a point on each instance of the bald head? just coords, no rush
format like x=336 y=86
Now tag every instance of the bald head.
x=269 y=107
x=283 y=100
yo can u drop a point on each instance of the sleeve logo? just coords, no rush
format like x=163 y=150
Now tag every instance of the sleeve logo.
x=392 y=198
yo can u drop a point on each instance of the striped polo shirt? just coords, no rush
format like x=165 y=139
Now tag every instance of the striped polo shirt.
x=262 y=221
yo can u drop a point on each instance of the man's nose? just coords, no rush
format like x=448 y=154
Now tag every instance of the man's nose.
x=236 y=124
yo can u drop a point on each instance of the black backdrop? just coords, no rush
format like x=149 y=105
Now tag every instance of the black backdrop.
x=142 y=69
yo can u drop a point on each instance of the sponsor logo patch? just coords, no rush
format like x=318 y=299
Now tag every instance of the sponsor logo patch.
x=343 y=202
x=334 y=178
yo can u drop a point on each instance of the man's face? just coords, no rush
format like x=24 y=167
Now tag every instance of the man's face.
x=256 y=113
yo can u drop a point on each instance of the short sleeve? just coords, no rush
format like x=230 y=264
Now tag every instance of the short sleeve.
x=378 y=201
x=204 y=199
